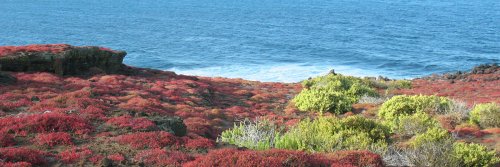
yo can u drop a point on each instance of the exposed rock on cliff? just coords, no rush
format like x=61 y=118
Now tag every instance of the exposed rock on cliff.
x=61 y=59
x=6 y=78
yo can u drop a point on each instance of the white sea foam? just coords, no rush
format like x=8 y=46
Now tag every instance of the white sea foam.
x=272 y=73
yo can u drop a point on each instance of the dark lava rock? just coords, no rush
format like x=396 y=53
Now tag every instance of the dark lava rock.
x=486 y=69
x=173 y=125
x=6 y=78
x=60 y=59
x=466 y=76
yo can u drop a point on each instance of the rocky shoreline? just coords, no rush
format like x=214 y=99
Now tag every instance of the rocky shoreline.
x=63 y=105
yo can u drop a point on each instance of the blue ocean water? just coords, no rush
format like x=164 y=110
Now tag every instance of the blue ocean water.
x=269 y=40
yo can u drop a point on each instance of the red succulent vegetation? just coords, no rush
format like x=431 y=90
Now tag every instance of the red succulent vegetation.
x=199 y=143
x=15 y=164
x=6 y=139
x=31 y=156
x=48 y=122
x=477 y=88
x=52 y=48
x=160 y=157
x=116 y=157
x=128 y=121
x=142 y=140
x=277 y=158
x=74 y=155
x=53 y=139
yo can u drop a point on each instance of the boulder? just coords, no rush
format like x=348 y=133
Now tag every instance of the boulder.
x=61 y=59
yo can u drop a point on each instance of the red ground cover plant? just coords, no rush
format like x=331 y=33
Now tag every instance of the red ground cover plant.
x=118 y=158
x=161 y=157
x=476 y=89
x=467 y=132
x=6 y=140
x=142 y=140
x=95 y=159
x=15 y=164
x=128 y=121
x=143 y=105
x=53 y=139
x=48 y=122
x=52 y=48
x=355 y=158
x=278 y=158
x=199 y=143
x=34 y=157
x=74 y=155
x=11 y=102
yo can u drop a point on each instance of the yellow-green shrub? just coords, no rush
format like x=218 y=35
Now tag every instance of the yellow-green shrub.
x=409 y=125
x=401 y=105
x=322 y=100
x=400 y=84
x=430 y=136
x=486 y=115
x=331 y=93
x=310 y=135
x=391 y=84
x=474 y=155
x=327 y=134
x=257 y=135
x=375 y=130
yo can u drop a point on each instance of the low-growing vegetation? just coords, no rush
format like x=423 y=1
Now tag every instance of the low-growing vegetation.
x=474 y=155
x=331 y=93
x=402 y=105
x=418 y=123
x=486 y=115
x=257 y=135
x=324 y=134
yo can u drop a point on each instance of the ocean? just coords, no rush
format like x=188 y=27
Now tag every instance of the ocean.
x=269 y=40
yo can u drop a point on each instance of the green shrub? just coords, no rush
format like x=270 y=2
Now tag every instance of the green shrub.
x=317 y=135
x=486 y=115
x=432 y=153
x=430 y=136
x=257 y=135
x=408 y=105
x=400 y=84
x=322 y=100
x=331 y=93
x=410 y=125
x=328 y=134
x=375 y=130
x=391 y=84
x=474 y=155
x=432 y=148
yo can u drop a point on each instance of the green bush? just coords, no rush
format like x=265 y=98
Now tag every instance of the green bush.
x=375 y=130
x=328 y=134
x=310 y=135
x=486 y=115
x=433 y=153
x=410 y=125
x=400 y=84
x=257 y=135
x=400 y=105
x=331 y=93
x=474 y=155
x=391 y=84
x=430 y=136
x=322 y=100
